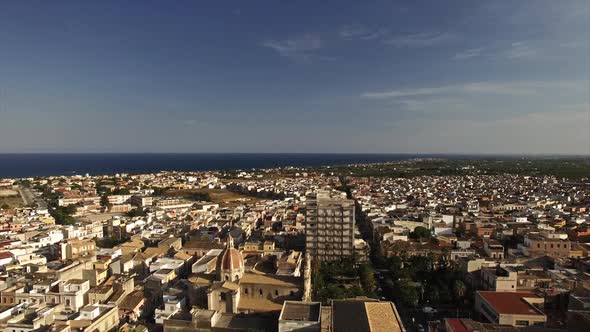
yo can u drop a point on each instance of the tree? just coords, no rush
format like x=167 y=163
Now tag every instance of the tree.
x=420 y=267
x=200 y=196
x=5 y=207
x=394 y=263
x=354 y=291
x=70 y=209
x=138 y=212
x=420 y=233
x=459 y=290
x=104 y=200
x=159 y=191
x=277 y=226
x=407 y=291
x=367 y=276
x=63 y=216
x=433 y=294
x=121 y=191
x=445 y=294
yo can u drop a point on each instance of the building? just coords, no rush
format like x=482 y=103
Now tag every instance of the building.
x=493 y=249
x=209 y=320
x=74 y=248
x=290 y=264
x=131 y=307
x=172 y=305
x=225 y=296
x=348 y=315
x=500 y=279
x=363 y=314
x=469 y=325
x=510 y=308
x=96 y=318
x=329 y=227
x=32 y=319
x=535 y=246
x=142 y=201
x=207 y=263
x=118 y=199
x=300 y=316
x=232 y=289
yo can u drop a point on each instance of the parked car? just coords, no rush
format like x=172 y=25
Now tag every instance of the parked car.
x=429 y=310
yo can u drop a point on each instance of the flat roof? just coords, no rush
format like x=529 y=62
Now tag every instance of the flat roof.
x=510 y=302
x=272 y=280
x=382 y=316
x=301 y=311
x=235 y=322
x=365 y=315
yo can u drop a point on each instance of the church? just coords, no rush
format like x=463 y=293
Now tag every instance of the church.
x=239 y=284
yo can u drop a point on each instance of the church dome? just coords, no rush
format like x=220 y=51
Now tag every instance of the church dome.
x=231 y=259
x=230 y=262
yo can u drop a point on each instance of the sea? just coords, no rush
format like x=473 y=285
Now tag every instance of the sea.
x=33 y=164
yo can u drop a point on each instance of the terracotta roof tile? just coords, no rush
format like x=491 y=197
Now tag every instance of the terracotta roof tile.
x=510 y=302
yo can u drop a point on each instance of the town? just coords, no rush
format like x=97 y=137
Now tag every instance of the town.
x=382 y=247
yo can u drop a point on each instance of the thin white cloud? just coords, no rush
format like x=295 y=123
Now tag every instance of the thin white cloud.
x=520 y=50
x=518 y=88
x=405 y=93
x=362 y=32
x=423 y=39
x=438 y=104
x=297 y=48
x=504 y=88
x=467 y=54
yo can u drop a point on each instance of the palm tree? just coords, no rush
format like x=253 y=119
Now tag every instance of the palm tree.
x=459 y=289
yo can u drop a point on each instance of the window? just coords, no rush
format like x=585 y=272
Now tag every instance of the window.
x=276 y=292
x=260 y=291
x=291 y=293
x=522 y=323
x=245 y=290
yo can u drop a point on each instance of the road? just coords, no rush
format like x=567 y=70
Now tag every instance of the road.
x=29 y=199
x=26 y=195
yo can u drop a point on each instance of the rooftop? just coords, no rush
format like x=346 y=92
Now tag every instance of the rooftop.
x=365 y=315
x=301 y=311
x=511 y=302
x=275 y=280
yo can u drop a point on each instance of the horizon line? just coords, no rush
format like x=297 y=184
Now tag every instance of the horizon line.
x=308 y=153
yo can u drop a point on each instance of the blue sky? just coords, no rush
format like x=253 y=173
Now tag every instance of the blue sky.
x=295 y=76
